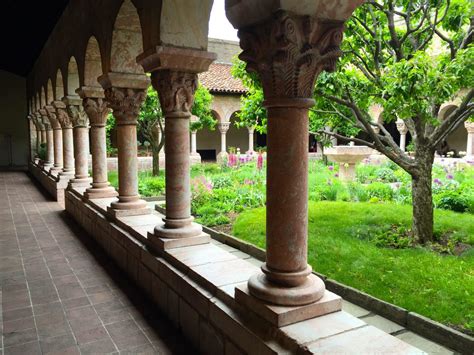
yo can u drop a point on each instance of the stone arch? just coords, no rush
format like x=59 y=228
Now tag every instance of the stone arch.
x=216 y=115
x=127 y=41
x=446 y=110
x=237 y=136
x=50 y=94
x=59 y=92
x=92 y=63
x=72 y=80
x=42 y=97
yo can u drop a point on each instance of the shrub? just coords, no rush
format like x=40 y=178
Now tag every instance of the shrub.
x=329 y=192
x=222 y=181
x=397 y=237
x=358 y=192
x=386 y=175
x=42 y=151
x=452 y=200
x=380 y=190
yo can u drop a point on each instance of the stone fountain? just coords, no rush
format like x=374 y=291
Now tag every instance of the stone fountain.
x=348 y=156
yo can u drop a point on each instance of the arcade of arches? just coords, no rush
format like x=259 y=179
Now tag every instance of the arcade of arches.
x=104 y=60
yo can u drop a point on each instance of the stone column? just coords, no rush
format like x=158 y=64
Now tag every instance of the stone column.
x=470 y=139
x=403 y=129
x=251 y=131
x=223 y=128
x=80 y=131
x=195 y=156
x=68 y=141
x=38 y=137
x=174 y=76
x=58 y=140
x=288 y=51
x=49 y=162
x=97 y=111
x=125 y=94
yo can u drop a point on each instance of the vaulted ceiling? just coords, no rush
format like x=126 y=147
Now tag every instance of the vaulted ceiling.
x=24 y=28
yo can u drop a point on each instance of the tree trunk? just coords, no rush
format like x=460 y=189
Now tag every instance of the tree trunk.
x=423 y=197
x=156 y=161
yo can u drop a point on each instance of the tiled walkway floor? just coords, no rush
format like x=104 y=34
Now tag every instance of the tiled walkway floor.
x=59 y=294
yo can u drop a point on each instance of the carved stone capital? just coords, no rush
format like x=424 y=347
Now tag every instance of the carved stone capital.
x=53 y=118
x=125 y=103
x=289 y=51
x=39 y=121
x=251 y=129
x=469 y=127
x=62 y=115
x=402 y=127
x=45 y=119
x=77 y=115
x=176 y=91
x=97 y=110
x=223 y=127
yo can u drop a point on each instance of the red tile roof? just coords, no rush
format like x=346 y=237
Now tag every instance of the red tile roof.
x=218 y=79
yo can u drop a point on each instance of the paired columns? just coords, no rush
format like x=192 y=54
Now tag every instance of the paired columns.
x=470 y=139
x=80 y=132
x=174 y=75
x=58 y=140
x=223 y=128
x=49 y=161
x=251 y=132
x=68 y=144
x=125 y=94
x=288 y=64
x=96 y=109
x=194 y=152
x=403 y=129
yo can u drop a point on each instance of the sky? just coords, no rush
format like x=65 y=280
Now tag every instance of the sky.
x=219 y=26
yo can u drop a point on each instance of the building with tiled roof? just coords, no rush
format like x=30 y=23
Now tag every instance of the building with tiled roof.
x=219 y=80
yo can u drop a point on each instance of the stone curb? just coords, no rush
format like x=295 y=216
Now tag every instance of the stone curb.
x=419 y=324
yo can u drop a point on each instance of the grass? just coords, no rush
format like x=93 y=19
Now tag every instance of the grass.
x=440 y=287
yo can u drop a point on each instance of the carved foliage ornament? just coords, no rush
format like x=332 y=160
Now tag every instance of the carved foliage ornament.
x=402 y=127
x=176 y=90
x=223 y=127
x=289 y=51
x=53 y=118
x=77 y=115
x=46 y=123
x=63 y=118
x=97 y=110
x=125 y=103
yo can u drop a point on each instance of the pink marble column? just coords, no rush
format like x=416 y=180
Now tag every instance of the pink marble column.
x=174 y=77
x=288 y=64
x=96 y=108
x=80 y=132
x=68 y=144
x=125 y=100
x=58 y=140
x=49 y=162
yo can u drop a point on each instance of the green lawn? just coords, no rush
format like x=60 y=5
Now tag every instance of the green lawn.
x=440 y=287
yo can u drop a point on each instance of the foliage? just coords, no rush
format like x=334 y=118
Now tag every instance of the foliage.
x=336 y=249
x=109 y=126
x=42 y=151
x=202 y=109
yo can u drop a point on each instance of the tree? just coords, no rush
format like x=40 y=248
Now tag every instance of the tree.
x=409 y=56
x=151 y=120
x=390 y=58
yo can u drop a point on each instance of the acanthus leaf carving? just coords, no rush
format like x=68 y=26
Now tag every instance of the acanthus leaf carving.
x=64 y=118
x=53 y=118
x=176 y=90
x=77 y=115
x=125 y=103
x=97 y=110
x=289 y=51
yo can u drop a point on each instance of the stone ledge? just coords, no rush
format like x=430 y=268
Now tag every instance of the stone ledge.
x=190 y=289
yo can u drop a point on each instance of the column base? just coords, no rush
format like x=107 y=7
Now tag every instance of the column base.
x=135 y=207
x=55 y=170
x=100 y=192
x=310 y=291
x=164 y=238
x=280 y=316
x=75 y=182
x=222 y=156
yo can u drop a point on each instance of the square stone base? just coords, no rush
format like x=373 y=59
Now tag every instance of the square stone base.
x=124 y=213
x=161 y=244
x=280 y=315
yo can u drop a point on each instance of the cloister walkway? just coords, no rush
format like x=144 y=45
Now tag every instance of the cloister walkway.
x=59 y=293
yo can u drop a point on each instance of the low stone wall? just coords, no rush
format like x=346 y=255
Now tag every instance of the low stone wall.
x=54 y=186
x=194 y=286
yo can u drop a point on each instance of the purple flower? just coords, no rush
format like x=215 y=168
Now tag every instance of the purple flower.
x=336 y=175
x=331 y=168
x=437 y=181
x=449 y=176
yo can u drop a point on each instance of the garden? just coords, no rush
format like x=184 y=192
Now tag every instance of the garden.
x=359 y=232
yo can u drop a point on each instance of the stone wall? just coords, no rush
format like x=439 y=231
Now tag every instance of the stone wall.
x=13 y=125
x=224 y=49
